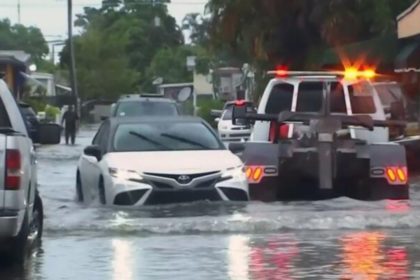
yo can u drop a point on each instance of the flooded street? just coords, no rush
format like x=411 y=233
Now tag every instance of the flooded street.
x=333 y=239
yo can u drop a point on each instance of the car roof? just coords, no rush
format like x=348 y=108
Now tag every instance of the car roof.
x=172 y=119
x=144 y=98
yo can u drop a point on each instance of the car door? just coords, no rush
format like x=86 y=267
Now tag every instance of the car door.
x=95 y=171
x=88 y=164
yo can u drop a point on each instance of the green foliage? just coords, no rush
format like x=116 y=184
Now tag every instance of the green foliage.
x=118 y=47
x=51 y=112
x=19 y=37
x=205 y=107
x=38 y=104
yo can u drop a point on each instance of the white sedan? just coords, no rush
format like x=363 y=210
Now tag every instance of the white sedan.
x=230 y=132
x=146 y=161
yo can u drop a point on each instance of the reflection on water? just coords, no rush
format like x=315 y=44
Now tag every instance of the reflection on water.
x=238 y=253
x=398 y=206
x=365 y=257
x=123 y=263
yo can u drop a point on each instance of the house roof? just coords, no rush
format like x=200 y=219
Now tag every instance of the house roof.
x=15 y=57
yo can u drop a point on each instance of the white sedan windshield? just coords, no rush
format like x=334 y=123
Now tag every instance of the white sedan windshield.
x=164 y=137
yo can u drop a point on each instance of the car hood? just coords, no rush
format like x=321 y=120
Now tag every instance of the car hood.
x=173 y=162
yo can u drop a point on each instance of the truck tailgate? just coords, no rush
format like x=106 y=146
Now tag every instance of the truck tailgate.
x=2 y=171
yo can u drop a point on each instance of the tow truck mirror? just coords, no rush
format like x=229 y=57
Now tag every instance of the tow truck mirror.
x=93 y=151
x=239 y=115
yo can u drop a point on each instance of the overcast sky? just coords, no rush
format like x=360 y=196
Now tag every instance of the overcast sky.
x=50 y=15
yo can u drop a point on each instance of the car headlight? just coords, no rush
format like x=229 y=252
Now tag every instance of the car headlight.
x=234 y=172
x=124 y=174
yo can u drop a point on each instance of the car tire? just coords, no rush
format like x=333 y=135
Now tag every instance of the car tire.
x=101 y=187
x=380 y=190
x=79 y=189
x=36 y=228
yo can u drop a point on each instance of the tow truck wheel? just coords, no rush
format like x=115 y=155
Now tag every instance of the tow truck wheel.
x=380 y=190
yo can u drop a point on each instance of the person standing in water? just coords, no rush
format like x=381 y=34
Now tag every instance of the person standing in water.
x=70 y=119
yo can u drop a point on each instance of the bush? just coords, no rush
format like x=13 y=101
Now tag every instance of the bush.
x=51 y=112
x=205 y=107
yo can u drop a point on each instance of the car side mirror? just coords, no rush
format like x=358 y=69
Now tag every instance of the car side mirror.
x=216 y=120
x=236 y=148
x=93 y=151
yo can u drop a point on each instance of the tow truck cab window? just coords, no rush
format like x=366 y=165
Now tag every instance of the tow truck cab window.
x=280 y=99
x=4 y=117
x=310 y=97
x=361 y=98
x=337 y=98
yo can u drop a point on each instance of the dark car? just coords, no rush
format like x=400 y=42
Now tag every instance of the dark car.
x=137 y=106
x=31 y=121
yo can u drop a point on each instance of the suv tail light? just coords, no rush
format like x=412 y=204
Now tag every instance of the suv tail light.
x=13 y=170
x=281 y=133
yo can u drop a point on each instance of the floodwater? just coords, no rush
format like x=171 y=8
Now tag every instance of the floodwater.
x=331 y=239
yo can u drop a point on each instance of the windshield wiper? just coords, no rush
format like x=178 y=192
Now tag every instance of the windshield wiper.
x=184 y=140
x=141 y=136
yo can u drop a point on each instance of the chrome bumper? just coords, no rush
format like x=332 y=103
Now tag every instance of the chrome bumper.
x=10 y=222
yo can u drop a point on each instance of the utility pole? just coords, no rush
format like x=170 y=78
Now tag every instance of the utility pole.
x=73 y=76
x=18 y=11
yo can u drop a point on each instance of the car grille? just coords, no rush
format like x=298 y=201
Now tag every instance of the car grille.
x=176 y=176
x=182 y=196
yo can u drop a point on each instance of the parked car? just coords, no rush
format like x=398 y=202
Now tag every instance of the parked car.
x=31 y=121
x=230 y=132
x=136 y=105
x=21 y=211
x=144 y=161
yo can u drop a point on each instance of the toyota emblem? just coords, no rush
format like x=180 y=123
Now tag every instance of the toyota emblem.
x=184 y=179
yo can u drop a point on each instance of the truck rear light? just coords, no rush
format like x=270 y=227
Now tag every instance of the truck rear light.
x=13 y=170
x=258 y=173
x=390 y=174
x=254 y=174
x=396 y=175
x=402 y=174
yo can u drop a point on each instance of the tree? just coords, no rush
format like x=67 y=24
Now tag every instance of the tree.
x=19 y=37
x=132 y=23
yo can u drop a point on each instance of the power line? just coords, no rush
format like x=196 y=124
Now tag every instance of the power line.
x=48 y=5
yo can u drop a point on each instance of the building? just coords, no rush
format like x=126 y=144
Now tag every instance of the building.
x=13 y=66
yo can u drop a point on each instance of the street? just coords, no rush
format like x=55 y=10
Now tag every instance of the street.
x=340 y=238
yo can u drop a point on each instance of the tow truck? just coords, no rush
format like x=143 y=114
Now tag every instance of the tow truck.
x=322 y=133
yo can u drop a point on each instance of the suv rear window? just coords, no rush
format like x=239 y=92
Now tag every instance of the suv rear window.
x=4 y=117
x=146 y=108
x=310 y=97
x=280 y=99
x=337 y=98
x=361 y=98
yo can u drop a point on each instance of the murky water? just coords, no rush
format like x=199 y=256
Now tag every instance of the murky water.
x=332 y=239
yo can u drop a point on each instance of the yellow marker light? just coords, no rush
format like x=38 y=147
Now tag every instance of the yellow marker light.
x=369 y=74
x=351 y=73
